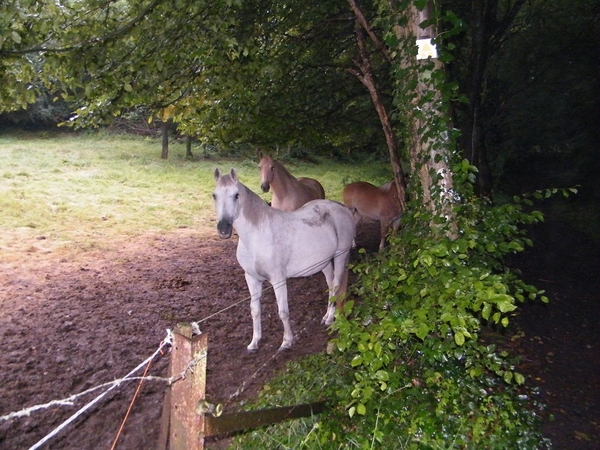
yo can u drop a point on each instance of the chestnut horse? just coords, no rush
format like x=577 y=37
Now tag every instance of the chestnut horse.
x=276 y=245
x=377 y=203
x=289 y=193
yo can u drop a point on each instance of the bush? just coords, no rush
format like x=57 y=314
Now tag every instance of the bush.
x=415 y=373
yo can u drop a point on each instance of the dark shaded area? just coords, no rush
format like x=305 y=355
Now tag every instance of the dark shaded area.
x=559 y=342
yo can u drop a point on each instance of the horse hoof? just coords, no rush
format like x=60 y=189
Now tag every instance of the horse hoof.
x=326 y=321
x=285 y=346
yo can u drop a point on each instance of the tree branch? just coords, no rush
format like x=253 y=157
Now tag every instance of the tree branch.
x=363 y=23
x=108 y=37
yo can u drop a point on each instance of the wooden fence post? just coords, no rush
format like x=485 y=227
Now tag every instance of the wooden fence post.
x=187 y=419
x=182 y=423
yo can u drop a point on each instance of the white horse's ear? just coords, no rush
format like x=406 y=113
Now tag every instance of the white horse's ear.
x=259 y=153
x=217 y=174
x=233 y=174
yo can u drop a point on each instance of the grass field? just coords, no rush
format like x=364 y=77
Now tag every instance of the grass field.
x=80 y=191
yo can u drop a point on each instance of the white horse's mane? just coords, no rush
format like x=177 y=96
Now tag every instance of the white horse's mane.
x=255 y=209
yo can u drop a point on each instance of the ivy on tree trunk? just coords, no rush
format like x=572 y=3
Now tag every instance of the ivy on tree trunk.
x=419 y=97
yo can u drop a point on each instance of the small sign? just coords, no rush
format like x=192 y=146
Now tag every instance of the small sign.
x=427 y=49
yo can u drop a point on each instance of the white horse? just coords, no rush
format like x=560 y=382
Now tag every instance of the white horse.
x=275 y=245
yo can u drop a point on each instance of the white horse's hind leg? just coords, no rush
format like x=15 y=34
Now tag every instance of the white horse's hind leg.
x=333 y=287
x=255 y=288
x=280 y=288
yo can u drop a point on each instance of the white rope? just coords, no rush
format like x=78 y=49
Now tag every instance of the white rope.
x=167 y=341
x=245 y=383
x=242 y=386
x=70 y=401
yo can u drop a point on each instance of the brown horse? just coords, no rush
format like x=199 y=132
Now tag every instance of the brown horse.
x=289 y=193
x=376 y=203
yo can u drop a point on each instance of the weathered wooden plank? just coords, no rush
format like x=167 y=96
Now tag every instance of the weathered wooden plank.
x=214 y=426
x=188 y=356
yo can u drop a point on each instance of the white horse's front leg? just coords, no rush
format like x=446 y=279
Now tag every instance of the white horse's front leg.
x=255 y=288
x=280 y=288
x=329 y=277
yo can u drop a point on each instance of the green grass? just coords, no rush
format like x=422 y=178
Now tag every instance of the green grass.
x=83 y=190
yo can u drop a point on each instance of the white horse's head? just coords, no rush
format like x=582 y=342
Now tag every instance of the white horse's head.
x=226 y=197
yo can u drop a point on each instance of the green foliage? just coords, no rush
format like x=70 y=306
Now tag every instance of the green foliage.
x=305 y=381
x=267 y=73
x=413 y=337
x=411 y=371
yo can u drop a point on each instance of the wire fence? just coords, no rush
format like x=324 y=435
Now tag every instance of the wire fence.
x=129 y=377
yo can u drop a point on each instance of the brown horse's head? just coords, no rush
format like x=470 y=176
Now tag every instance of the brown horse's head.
x=266 y=166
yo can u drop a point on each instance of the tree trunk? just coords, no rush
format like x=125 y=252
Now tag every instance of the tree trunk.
x=488 y=29
x=188 y=148
x=427 y=146
x=484 y=14
x=165 y=140
x=365 y=75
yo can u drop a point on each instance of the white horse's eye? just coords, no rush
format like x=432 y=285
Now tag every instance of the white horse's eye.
x=237 y=196
x=214 y=196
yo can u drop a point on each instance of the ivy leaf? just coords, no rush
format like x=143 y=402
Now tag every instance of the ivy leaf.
x=506 y=305
x=519 y=378
x=356 y=361
x=423 y=331
x=361 y=409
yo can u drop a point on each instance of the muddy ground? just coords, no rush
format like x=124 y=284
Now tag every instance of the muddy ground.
x=71 y=323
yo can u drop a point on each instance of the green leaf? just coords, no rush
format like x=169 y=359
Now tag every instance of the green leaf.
x=506 y=305
x=382 y=375
x=356 y=361
x=459 y=338
x=422 y=331
x=519 y=378
x=16 y=37
x=361 y=409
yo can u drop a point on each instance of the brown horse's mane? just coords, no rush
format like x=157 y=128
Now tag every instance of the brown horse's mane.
x=281 y=167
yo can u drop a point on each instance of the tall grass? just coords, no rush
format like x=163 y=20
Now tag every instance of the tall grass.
x=86 y=190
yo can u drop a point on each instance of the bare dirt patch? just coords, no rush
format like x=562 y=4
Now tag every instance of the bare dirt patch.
x=70 y=322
